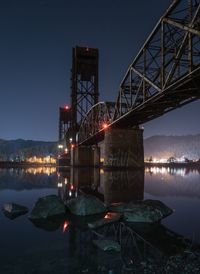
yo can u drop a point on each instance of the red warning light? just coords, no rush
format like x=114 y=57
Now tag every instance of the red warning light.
x=67 y=107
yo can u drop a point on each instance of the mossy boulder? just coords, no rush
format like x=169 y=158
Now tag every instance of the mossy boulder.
x=85 y=205
x=46 y=207
x=142 y=213
x=147 y=211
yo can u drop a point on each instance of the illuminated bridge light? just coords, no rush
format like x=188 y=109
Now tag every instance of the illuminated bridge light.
x=105 y=126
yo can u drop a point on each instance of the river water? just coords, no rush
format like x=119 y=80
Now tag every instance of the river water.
x=65 y=246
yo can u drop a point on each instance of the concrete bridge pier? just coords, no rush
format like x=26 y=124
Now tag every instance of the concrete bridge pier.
x=123 y=148
x=84 y=156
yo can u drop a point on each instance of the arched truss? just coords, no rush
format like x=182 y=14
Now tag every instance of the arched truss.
x=164 y=75
x=97 y=118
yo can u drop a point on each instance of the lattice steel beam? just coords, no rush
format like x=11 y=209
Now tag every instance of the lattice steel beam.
x=166 y=71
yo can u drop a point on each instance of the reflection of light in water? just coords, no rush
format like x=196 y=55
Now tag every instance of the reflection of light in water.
x=65 y=226
x=40 y=170
x=71 y=187
x=175 y=182
x=101 y=171
x=166 y=171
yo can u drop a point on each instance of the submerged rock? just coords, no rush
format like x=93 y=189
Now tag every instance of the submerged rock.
x=46 y=207
x=107 y=245
x=12 y=210
x=85 y=205
x=109 y=218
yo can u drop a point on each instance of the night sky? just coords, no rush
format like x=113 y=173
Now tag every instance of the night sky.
x=36 y=43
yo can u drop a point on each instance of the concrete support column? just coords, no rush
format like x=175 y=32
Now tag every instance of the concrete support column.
x=84 y=156
x=123 y=148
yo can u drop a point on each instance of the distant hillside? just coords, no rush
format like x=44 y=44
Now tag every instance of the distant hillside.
x=14 y=149
x=177 y=146
x=155 y=146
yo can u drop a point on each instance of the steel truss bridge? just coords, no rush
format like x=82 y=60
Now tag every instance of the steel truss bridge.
x=164 y=75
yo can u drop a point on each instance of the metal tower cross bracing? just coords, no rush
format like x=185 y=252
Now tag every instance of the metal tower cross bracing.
x=164 y=75
x=84 y=88
x=84 y=93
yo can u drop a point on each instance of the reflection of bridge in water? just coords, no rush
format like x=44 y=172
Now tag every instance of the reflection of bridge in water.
x=123 y=186
x=109 y=186
x=151 y=244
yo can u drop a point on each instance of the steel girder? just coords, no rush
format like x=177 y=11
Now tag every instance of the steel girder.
x=165 y=74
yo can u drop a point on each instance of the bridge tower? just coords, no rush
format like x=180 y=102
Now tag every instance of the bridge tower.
x=64 y=125
x=84 y=93
x=84 y=85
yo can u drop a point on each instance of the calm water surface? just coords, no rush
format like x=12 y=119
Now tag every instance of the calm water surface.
x=65 y=246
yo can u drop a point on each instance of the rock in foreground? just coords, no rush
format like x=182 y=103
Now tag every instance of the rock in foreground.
x=187 y=262
x=85 y=205
x=142 y=213
x=48 y=206
x=12 y=210
x=147 y=211
x=156 y=204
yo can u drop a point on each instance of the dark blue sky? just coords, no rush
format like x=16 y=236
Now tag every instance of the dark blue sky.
x=36 y=42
